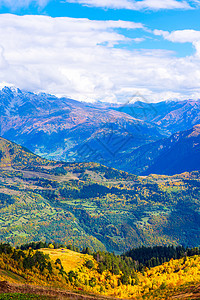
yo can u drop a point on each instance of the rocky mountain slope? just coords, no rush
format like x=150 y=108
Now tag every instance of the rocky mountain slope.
x=64 y=129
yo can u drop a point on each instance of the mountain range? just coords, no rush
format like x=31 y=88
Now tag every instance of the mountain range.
x=140 y=137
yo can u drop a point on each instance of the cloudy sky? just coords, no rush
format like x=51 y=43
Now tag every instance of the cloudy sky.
x=106 y=50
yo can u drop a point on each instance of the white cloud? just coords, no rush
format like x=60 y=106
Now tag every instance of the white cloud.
x=138 y=5
x=3 y=62
x=78 y=58
x=182 y=36
x=15 y=4
x=138 y=40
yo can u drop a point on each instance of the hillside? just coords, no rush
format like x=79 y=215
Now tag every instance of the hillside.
x=168 y=280
x=21 y=271
x=176 y=154
x=87 y=204
x=18 y=157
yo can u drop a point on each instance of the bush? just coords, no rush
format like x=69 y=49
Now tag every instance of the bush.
x=89 y=264
x=51 y=246
x=92 y=282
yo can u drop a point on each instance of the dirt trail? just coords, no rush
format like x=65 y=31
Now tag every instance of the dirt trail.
x=7 y=287
x=191 y=293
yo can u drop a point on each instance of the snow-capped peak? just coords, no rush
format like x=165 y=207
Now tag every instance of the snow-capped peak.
x=11 y=87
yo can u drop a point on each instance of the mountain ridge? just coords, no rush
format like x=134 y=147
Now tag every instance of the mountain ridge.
x=171 y=116
x=177 y=154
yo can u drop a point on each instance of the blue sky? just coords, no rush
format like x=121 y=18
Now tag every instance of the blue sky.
x=106 y=50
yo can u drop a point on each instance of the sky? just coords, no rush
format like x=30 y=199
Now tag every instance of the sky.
x=102 y=50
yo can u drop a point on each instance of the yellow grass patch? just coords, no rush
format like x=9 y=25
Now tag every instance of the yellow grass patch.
x=69 y=259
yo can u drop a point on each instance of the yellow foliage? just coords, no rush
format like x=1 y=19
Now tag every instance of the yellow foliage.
x=163 y=278
x=160 y=282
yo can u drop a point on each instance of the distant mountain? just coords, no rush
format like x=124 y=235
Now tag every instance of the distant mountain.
x=65 y=129
x=170 y=116
x=135 y=137
x=176 y=154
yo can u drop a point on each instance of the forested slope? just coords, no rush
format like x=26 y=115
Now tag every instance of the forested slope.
x=87 y=204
